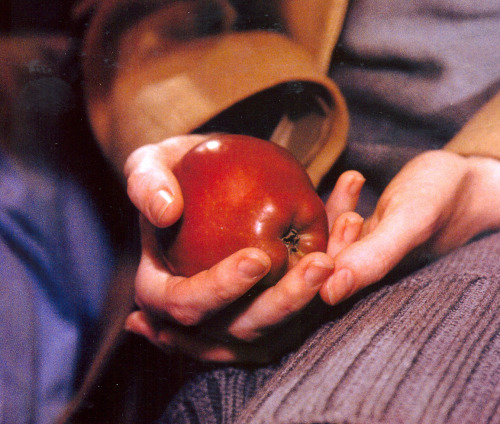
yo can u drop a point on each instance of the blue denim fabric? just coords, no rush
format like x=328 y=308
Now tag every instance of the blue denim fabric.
x=55 y=263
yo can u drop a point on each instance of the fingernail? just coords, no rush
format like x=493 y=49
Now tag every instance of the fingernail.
x=160 y=203
x=351 y=230
x=317 y=272
x=356 y=185
x=252 y=267
x=340 y=286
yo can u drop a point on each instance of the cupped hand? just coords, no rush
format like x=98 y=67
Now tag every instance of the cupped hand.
x=221 y=314
x=437 y=202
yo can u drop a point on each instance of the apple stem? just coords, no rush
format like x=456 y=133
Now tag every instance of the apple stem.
x=291 y=240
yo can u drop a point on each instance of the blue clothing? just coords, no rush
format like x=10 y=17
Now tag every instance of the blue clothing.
x=56 y=261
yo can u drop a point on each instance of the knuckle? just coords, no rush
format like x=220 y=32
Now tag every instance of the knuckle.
x=222 y=285
x=222 y=294
x=286 y=300
x=188 y=317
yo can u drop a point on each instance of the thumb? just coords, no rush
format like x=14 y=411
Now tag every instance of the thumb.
x=152 y=187
x=151 y=184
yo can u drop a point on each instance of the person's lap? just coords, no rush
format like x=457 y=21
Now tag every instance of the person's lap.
x=424 y=349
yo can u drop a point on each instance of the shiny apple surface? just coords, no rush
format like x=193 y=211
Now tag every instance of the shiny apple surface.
x=239 y=192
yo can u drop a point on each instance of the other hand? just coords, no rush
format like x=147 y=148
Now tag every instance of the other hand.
x=437 y=202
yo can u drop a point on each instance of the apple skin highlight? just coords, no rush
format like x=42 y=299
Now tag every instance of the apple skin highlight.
x=239 y=192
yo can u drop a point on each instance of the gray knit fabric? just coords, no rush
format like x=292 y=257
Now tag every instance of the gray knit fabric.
x=423 y=350
x=217 y=396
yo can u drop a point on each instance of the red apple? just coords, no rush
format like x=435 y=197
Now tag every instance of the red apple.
x=239 y=192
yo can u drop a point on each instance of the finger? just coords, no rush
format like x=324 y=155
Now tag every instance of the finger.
x=371 y=258
x=153 y=188
x=213 y=350
x=169 y=339
x=345 y=231
x=281 y=301
x=151 y=185
x=139 y=323
x=191 y=300
x=345 y=195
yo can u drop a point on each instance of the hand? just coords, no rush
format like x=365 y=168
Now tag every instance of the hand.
x=438 y=201
x=208 y=315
